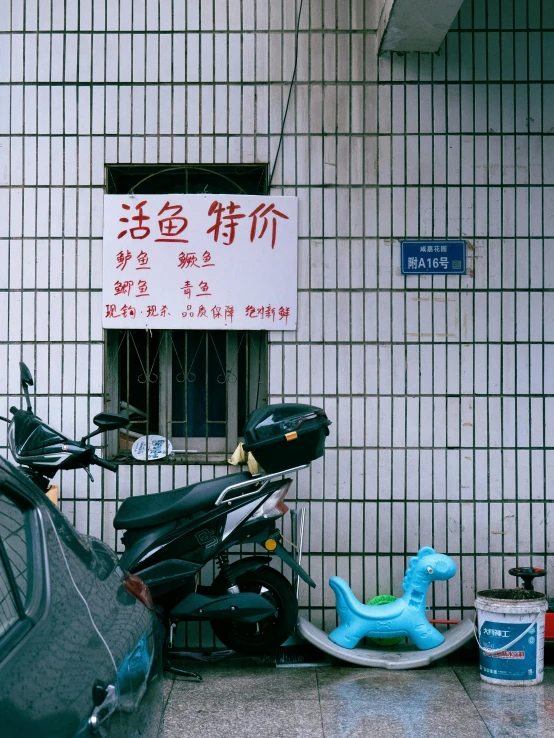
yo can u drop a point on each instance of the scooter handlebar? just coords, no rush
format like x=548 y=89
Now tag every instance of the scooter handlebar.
x=103 y=463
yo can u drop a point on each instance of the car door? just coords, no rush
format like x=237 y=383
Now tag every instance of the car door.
x=50 y=656
x=131 y=631
x=74 y=643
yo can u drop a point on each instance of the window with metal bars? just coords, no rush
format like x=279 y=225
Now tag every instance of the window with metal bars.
x=195 y=388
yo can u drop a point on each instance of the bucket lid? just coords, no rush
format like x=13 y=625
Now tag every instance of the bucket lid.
x=512 y=595
x=511 y=601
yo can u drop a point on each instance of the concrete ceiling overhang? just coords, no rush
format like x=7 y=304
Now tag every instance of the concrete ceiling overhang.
x=415 y=25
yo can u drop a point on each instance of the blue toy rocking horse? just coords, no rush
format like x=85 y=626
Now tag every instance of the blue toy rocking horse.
x=403 y=617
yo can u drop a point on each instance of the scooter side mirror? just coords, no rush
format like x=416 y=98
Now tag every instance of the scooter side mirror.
x=26 y=382
x=26 y=376
x=110 y=421
x=106 y=422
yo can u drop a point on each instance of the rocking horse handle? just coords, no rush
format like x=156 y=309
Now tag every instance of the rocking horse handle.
x=527 y=573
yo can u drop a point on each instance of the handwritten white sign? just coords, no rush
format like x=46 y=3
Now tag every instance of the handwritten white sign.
x=200 y=261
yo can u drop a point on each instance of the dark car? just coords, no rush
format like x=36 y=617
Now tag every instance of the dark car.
x=80 y=648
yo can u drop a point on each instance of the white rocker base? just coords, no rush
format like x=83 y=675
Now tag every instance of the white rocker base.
x=406 y=657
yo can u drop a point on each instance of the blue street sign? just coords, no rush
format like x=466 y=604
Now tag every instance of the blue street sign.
x=433 y=257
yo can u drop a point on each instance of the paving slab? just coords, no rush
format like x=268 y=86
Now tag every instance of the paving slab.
x=428 y=703
x=433 y=685
x=512 y=712
x=188 y=715
x=251 y=683
x=401 y=719
x=344 y=702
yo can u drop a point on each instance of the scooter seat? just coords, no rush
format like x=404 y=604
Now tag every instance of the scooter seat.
x=147 y=511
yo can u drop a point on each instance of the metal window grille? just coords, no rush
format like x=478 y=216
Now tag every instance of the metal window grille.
x=196 y=388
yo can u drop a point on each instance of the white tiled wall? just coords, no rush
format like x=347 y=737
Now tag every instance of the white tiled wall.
x=440 y=390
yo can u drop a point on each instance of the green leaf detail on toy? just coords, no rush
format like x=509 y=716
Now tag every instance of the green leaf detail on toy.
x=384 y=600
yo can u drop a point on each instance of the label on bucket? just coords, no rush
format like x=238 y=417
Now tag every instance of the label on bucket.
x=519 y=662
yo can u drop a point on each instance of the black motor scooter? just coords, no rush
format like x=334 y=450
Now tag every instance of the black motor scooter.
x=170 y=536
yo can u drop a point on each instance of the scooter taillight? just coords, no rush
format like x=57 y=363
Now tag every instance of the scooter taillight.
x=139 y=589
x=274 y=506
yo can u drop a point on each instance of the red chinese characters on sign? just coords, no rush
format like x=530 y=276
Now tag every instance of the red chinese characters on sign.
x=123 y=288
x=227 y=219
x=190 y=259
x=217 y=312
x=267 y=312
x=204 y=287
x=261 y=213
x=239 y=222
x=228 y=222
x=187 y=260
x=142 y=287
x=127 y=311
x=152 y=311
x=138 y=231
x=142 y=259
x=122 y=258
x=172 y=225
x=125 y=256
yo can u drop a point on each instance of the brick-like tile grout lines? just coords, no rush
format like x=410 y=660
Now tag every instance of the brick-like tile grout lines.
x=170 y=692
x=319 y=703
x=473 y=703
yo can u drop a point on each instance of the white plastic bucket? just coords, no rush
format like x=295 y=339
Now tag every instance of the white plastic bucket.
x=510 y=634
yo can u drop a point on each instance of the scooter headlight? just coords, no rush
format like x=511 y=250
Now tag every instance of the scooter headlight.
x=274 y=507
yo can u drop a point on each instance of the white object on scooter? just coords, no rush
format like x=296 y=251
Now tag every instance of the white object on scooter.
x=151 y=448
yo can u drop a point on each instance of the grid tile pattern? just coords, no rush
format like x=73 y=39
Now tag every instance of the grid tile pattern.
x=439 y=387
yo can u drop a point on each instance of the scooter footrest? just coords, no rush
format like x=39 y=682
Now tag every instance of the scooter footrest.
x=246 y=607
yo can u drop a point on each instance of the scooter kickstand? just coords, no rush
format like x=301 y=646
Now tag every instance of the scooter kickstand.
x=168 y=666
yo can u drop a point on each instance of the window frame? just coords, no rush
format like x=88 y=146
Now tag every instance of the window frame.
x=190 y=449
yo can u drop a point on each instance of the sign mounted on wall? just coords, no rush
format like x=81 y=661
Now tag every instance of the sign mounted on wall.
x=433 y=257
x=200 y=261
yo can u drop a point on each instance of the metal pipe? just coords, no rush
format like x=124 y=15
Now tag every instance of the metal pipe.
x=300 y=543
x=294 y=541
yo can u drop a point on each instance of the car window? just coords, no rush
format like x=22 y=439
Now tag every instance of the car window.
x=15 y=539
x=8 y=608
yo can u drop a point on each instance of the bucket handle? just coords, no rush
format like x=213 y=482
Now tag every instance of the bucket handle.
x=492 y=651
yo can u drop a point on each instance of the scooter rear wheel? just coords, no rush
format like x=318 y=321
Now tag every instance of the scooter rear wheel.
x=265 y=636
